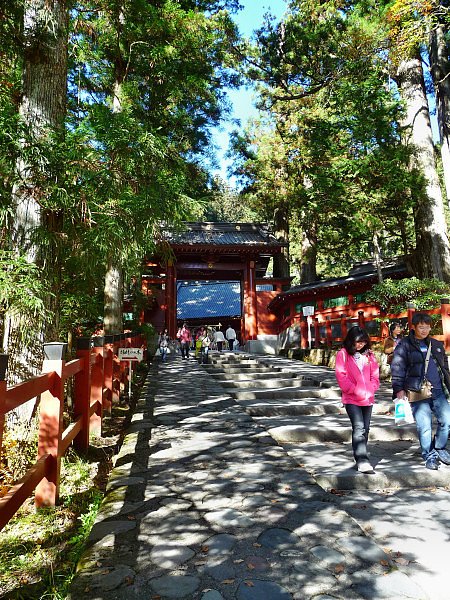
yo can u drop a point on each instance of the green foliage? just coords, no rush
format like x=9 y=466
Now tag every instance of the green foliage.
x=329 y=146
x=393 y=295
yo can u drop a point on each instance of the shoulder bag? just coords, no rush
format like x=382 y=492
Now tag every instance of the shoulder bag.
x=426 y=389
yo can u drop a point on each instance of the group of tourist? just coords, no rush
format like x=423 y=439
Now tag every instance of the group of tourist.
x=416 y=361
x=201 y=341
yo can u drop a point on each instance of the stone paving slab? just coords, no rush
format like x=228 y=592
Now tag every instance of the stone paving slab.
x=203 y=504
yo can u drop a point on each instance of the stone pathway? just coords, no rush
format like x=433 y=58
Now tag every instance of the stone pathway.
x=204 y=504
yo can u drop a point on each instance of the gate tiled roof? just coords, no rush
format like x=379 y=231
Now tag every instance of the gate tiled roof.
x=223 y=234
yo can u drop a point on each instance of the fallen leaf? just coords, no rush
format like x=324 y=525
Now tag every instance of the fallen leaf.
x=250 y=566
x=275 y=501
x=337 y=492
x=131 y=518
x=287 y=488
x=87 y=590
x=401 y=561
x=339 y=569
x=129 y=580
x=249 y=583
x=227 y=581
x=256 y=545
x=205 y=549
x=156 y=597
x=384 y=562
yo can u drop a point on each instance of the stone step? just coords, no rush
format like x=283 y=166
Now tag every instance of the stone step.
x=271 y=408
x=332 y=428
x=306 y=406
x=253 y=376
x=272 y=383
x=287 y=392
x=232 y=370
x=397 y=465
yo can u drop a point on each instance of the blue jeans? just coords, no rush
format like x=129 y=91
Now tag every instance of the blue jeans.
x=163 y=352
x=360 y=419
x=423 y=414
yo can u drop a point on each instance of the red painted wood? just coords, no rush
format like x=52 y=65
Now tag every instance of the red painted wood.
x=96 y=391
x=70 y=434
x=16 y=496
x=50 y=434
x=81 y=402
x=445 y=314
x=22 y=392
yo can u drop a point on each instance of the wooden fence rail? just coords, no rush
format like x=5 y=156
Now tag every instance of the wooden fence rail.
x=98 y=375
x=324 y=323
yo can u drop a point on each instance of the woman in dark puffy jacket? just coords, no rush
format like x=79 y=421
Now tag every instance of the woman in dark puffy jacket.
x=408 y=373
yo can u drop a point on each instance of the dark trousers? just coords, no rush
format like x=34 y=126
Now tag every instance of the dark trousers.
x=360 y=419
x=230 y=344
x=185 y=349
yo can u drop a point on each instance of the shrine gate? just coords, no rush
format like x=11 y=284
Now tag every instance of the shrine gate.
x=216 y=252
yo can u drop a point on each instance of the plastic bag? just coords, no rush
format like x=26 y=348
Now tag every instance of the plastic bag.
x=402 y=412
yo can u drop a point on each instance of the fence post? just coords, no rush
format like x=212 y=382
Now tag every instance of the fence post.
x=411 y=310
x=445 y=314
x=116 y=370
x=316 y=333
x=51 y=425
x=108 y=356
x=95 y=424
x=361 y=320
x=83 y=393
x=304 y=333
x=3 y=369
x=343 y=326
x=329 y=332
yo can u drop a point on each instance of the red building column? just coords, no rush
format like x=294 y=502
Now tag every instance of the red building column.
x=250 y=302
x=445 y=314
x=171 y=299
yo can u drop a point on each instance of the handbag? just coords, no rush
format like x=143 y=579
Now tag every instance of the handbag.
x=426 y=389
x=402 y=412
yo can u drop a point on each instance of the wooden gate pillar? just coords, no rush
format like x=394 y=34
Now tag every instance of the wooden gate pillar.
x=250 y=301
x=171 y=300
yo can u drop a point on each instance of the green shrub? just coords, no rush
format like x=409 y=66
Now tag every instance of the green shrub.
x=393 y=295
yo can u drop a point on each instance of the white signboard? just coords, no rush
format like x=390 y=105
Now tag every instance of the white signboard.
x=131 y=354
x=308 y=311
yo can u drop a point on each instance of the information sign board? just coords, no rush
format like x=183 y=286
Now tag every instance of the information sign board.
x=131 y=354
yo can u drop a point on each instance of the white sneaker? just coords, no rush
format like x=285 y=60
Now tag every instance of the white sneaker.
x=365 y=467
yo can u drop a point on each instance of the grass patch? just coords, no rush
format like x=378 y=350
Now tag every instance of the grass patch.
x=40 y=549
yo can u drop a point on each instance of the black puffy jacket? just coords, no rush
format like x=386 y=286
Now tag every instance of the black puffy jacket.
x=408 y=364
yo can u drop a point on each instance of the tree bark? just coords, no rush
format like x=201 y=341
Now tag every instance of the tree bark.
x=308 y=272
x=432 y=245
x=113 y=298
x=281 y=266
x=42 y=109
x=440 y=72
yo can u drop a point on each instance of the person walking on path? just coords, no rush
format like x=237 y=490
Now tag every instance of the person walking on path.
x=390 y=343
x=206 y=344
x=230 y=334
x=357 y=374
x=163 y=344
x=219 y=338
x=185 y=338
x=408 y=374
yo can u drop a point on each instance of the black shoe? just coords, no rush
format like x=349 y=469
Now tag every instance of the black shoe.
x=444 y=456
x=432 y=463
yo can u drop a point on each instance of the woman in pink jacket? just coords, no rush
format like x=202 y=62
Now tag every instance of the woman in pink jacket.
x=358 y=376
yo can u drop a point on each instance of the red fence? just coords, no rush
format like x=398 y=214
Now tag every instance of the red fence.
x=326 y=323
x=98 y=378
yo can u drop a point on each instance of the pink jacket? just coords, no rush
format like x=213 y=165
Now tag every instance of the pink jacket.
x=358 y=387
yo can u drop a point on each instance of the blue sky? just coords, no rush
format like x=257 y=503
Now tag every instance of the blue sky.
x=248 y=19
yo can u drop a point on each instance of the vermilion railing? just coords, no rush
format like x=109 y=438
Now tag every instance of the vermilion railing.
x=98 y=378
x=323 y=321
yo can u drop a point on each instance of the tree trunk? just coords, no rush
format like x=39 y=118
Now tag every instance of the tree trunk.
x=433 y=250
x=281 y=266
x=308 y=272
x=113 y=298
x=43 y=110
x=440 y=72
